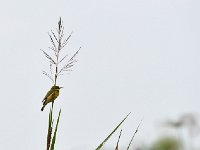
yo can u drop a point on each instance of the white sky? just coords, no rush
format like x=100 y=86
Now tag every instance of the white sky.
x=139 y=56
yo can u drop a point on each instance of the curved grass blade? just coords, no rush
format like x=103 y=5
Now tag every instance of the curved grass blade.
x=106 y=139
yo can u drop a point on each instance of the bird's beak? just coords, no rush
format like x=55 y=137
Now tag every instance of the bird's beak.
x=61 y=87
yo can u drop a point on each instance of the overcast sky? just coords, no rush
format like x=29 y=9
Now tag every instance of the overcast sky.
x=139 y=56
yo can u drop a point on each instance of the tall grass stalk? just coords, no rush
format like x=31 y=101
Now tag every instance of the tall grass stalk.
x=57 y=66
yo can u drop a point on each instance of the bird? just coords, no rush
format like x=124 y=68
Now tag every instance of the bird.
x=51 y=95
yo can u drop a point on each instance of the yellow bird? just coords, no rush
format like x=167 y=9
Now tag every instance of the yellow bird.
x=51 y=95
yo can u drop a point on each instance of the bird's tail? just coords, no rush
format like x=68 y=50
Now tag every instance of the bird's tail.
x=42 y=108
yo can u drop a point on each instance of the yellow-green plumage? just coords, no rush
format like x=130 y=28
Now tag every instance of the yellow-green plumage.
x=51 y=95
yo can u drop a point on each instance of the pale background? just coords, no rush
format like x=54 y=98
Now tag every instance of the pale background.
x=139 y=56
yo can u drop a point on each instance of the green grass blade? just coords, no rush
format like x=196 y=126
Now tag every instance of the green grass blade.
x=134 y=135
x=54 y=135
x=106 y=139
x=117 y=146
x=49 y=129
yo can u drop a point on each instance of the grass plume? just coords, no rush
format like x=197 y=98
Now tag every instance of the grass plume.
x=57 y=66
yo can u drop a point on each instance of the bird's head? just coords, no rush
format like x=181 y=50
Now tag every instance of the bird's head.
x=56 y=87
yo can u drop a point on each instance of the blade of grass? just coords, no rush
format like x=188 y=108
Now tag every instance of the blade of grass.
x=106 y=139
x=54 y=135
x=49 y=129
x=134 y=135
x=117 y=146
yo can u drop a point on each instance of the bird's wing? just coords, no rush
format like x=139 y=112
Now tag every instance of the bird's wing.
x=48 y=93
